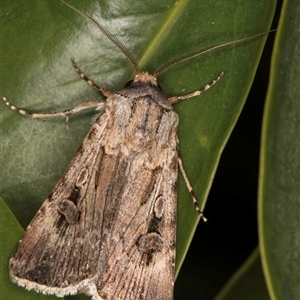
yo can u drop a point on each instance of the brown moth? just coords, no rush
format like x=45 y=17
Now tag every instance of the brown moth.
x=108 y=229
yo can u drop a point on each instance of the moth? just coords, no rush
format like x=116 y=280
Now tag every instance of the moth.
x=108 y=229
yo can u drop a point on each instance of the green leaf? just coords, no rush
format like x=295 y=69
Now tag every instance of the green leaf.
x=279 y=194
x=247 y=283
x=40 y=36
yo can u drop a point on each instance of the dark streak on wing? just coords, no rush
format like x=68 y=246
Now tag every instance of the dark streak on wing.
x=141 y=257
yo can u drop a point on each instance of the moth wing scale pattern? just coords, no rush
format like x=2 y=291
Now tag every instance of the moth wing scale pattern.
x=127 y=164
x=141 y=261
x=48 y=255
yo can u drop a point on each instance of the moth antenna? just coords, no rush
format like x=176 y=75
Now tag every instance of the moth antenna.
x=109 y=36
x=196 y=53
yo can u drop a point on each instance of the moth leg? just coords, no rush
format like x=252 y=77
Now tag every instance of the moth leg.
x=90 y=82
x=190 y=189
x=176 y=99
x=66 y=113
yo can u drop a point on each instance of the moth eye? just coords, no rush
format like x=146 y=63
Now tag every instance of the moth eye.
x=128 y=83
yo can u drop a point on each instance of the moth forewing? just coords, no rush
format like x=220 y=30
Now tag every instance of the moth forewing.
x=123 y=181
